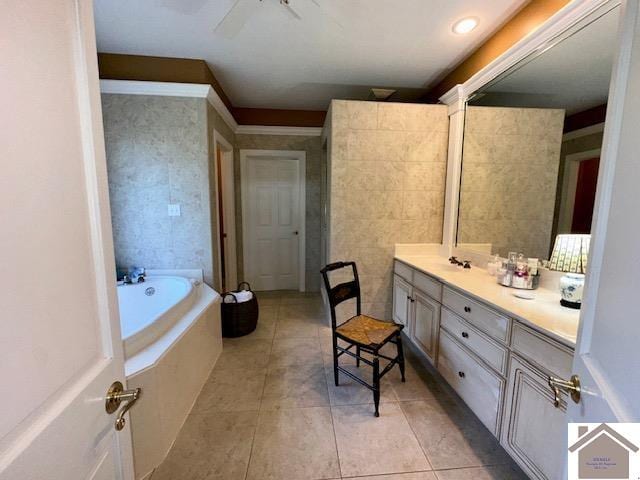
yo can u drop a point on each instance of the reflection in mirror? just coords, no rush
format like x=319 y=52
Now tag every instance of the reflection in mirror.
x=532 y=144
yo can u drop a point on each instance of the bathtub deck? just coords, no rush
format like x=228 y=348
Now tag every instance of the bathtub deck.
x=270 y=410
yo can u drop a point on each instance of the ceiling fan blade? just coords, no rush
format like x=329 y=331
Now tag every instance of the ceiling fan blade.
x=325 y=13
x=291 y=11
x=236 y=17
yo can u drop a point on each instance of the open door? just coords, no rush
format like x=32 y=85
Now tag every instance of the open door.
x=607 y=359
x=60 y=346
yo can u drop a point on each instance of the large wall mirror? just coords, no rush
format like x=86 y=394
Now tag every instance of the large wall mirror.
x=532 y=142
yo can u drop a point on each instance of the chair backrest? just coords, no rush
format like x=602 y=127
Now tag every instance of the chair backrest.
x=342 y=291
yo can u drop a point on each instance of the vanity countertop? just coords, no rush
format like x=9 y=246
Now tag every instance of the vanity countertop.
x=544 y=313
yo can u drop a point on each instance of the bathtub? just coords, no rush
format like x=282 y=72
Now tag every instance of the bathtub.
x=149 y=309
x=172 y=338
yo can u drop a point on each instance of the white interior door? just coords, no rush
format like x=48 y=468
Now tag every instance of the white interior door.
x=60 y=343
x=607 y=359
x=274 y=221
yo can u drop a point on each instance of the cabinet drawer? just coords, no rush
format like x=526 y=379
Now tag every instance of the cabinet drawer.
x=484 y=318
x=478 y=386
x=549 y=354
x=428 y=285
x=488 y=350
x=403 y=270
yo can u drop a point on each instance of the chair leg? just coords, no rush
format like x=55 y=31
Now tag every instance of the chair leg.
x=335 y=359
x=400 y=355
x=358 y=356
x=376 y=383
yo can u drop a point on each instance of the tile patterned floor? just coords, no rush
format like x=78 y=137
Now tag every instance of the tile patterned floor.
x=270 y=411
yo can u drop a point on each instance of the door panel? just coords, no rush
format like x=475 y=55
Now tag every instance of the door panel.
x=63 y=349
x=426 y=319
x=401 y=295
x=273 y=222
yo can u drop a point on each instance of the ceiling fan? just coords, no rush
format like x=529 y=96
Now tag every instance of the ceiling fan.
x=242 y=10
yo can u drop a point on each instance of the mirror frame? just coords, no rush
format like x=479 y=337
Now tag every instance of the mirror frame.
x=564 y=23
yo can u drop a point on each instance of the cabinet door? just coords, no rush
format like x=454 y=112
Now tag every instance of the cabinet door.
x=534 y=431
x=425 y=323
x=401 y=300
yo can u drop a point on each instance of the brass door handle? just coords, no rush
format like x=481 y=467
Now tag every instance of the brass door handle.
x=115 y=396
x=572 y=386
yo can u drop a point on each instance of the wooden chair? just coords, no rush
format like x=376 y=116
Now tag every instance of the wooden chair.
x=366 y=333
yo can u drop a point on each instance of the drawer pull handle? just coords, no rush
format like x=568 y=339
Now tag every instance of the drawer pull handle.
x=467 y=309
x=461 y=374
x=465 y=335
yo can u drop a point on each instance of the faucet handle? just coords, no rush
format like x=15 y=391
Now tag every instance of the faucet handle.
x=467 y=264
x=453 y=260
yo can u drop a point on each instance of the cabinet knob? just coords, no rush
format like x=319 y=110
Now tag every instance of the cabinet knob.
x=467 y=309
x=465 y=335
x=461 y=374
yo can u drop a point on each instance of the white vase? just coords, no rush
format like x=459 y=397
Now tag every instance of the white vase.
x=571 y=288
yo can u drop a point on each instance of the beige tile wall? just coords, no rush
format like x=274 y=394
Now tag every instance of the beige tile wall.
x=509 y=176
x=157 y=154
x=387 y=166
x=313 y=148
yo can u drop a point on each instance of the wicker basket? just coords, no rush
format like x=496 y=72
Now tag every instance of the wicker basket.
x=239 y=319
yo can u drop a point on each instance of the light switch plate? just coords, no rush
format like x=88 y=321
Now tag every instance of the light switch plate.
x=173 y=209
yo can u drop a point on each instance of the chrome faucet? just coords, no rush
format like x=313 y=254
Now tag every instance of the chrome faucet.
x=455 y=261
x=137 y=274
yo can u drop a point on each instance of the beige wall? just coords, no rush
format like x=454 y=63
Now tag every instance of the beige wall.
x=509 y=175
x=387 y=166
x=313 y=149
x=157 y=154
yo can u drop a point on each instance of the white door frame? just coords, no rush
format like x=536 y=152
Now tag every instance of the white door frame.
x=570 y=185
x=229 y=211
x=301 y=157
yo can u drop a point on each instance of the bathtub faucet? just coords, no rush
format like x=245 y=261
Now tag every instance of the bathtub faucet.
x=136 y=275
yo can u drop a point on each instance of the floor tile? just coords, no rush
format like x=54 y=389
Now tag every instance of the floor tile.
x=295 y=386
x=299 y=298
x=231 y=391
x=211 y=448
x=295 y=351
x=295 y=443
x=368 y=445
x=296 y=328
x=244 y=352
x=312 y=311
x=350 y=392
x=400 y=476
x=419 y=384
x=499 y=472
x=451 y=436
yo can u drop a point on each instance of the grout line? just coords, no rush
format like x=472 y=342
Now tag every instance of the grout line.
x=264 y=383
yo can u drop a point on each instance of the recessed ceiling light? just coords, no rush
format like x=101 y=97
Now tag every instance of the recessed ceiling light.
x=465 y=25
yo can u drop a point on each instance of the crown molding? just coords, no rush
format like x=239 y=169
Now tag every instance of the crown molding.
x=198 y=90
x=583 y=132
x=277 y=130
x=171 y=89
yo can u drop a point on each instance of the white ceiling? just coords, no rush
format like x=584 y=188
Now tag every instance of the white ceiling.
x=574 y=74
x=338 y=50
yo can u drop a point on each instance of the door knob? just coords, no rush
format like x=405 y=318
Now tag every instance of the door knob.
x=295 y=233
x=572 y=386
x=115 y=396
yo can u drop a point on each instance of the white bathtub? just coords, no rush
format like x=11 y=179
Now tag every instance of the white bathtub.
x=172 y=338
x=149 y=309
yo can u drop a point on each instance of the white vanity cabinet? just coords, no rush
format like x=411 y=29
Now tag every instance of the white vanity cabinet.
x=499 y=366
x=416 y=305
x=534 y=430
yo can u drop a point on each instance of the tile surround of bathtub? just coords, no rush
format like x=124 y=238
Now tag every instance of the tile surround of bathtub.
x=509 y=176
x=313 y=148
x=387 y=178
x=157 y=154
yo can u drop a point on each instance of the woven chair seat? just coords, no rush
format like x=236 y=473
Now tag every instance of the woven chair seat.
x=367 y=330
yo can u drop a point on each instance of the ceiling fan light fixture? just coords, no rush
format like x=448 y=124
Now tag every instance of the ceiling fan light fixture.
x=465 y=25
